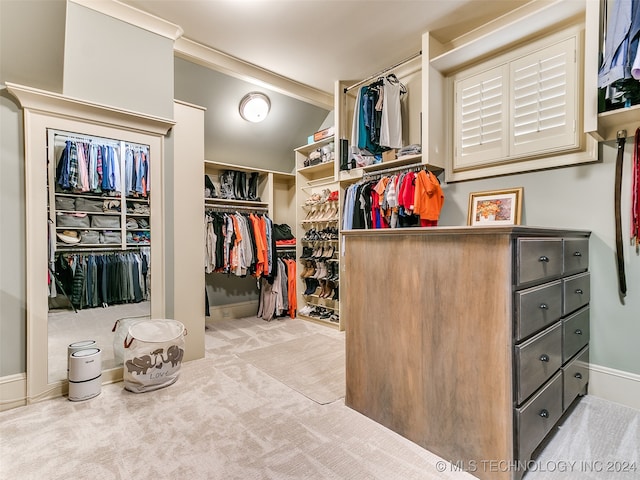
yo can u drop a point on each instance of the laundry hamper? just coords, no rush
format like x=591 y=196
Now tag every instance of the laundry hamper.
x=153 y=351
x=120 y=331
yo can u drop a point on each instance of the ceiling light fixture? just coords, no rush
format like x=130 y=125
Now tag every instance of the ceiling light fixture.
x=254 y=107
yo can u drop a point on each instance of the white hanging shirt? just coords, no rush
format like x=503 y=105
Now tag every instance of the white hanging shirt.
x=391 y=125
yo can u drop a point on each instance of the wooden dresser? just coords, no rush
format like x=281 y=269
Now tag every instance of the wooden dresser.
x=469 y=341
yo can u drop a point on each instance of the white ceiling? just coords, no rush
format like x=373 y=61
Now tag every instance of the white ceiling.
x=317 y=42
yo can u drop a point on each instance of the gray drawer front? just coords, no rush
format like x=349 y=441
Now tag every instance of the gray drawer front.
x=537 y=359
x=576 y=255
x=537 y=307
x=536 y=418
x=575 y=333
x=538 y=259
x=576 y=292
x=576 y=377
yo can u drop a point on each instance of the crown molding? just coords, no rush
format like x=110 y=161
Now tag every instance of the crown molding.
x=234 y=67
x=40 y=100
x=134 y=16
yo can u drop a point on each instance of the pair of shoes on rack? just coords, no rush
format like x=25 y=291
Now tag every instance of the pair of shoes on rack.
x=306 y=310
x=333 y=271
x=307 y=252
x=321 y=271
x=309 y=269
x=318 y=198
x=320 y=312
x=327 y=288
x=323 y=252
x=312 y=285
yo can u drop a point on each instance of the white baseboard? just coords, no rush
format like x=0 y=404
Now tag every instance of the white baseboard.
x=13 y=391
x=615 y=385
x=234 y=310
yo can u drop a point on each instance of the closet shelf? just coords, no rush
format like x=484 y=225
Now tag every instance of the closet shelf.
x=90 y=213
x=323 y=321
x=223 y=202
x=325 y=169
x=91 y=196
x=318 y=182
x=402 y=161
x=622 y=119
x=230 y=166
x=311 y=147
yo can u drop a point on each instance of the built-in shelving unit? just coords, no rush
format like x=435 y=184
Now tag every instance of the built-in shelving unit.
x=317 y=226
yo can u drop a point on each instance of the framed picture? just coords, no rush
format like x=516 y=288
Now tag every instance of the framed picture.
x=495 y=207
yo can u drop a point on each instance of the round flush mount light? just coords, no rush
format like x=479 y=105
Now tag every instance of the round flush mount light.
x=254 y=107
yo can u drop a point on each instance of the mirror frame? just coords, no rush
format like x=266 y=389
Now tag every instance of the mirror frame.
x=44 y=110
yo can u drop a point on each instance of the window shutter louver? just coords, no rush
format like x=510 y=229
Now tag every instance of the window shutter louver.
x=543 y=103
x=480 y=118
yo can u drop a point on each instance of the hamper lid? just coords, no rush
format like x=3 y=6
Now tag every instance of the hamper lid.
x=156 y=331
x=86 y=352
x=83 y=343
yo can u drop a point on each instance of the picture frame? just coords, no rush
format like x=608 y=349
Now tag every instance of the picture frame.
x=495 y=207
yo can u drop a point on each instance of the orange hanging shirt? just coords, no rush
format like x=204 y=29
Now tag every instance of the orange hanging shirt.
x=429 y=198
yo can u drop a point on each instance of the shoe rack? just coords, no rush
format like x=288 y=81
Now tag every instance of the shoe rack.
x=317 y=233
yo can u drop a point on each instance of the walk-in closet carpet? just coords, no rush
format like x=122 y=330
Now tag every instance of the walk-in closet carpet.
x=225 y=419
x=311 y=365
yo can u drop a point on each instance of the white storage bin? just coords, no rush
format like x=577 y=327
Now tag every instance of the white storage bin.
x=153 y=351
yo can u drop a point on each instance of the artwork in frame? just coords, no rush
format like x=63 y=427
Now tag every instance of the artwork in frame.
x=495 y=207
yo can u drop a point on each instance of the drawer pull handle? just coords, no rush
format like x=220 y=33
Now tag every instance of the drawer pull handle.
x=543 y=258
x=544 y=306
x=544 y=413
x=578 y=331
x=544 y=357
x=579 y=291
x=577 y=254
x=578 y=376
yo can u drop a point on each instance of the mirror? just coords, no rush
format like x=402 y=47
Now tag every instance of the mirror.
x=44 y=113
x=99 y=256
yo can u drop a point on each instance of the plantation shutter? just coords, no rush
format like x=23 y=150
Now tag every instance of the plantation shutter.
x=480 y=118
x=543 y=106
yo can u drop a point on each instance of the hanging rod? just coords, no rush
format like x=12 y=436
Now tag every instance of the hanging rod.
x=137 y=146
x=79 y=250
x=382 y=72
x=87 y=138
x=411 y=166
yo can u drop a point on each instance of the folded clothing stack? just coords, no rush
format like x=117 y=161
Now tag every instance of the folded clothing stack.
x=412 y=149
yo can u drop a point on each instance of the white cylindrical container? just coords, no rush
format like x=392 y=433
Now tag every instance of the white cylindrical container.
x=85 y=374
x=75 y=346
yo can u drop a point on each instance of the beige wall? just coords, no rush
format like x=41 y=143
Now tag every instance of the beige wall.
x=114 y=63
x=32 y=56
x=580 y=197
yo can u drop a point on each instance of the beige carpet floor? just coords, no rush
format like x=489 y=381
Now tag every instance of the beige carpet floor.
x=312 y=365
x=227 y=419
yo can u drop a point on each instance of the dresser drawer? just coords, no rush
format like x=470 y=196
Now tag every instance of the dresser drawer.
x=575 y=255
x=537 y=359
x=576 y=377
x=575 y=333
x=537 y=307
x=536 y=417
x=576 y=292
x=538 y=259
